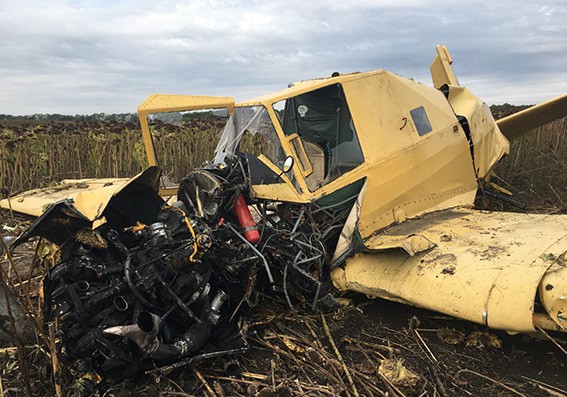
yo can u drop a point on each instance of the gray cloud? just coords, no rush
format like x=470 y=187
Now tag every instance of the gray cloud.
x=85 y=57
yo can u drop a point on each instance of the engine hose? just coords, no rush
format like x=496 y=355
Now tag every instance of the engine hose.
x=128 y=277
x=193 y=340
x=189 y=227
x=266 y=265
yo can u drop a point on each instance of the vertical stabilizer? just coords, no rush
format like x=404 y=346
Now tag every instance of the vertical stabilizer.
x=441 y=70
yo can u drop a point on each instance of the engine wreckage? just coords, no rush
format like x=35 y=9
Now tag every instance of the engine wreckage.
x=169 y=282
x=360 y=182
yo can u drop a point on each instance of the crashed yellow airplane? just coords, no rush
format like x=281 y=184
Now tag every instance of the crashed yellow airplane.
x=359 y=182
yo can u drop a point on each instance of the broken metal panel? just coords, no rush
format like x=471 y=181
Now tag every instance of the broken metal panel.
x=412 y=244
x=34 y=202
x=489 y=144
x=58 y=223
x=542 y=320
x=63 y=219
x=485 y=268
x=346 y=237
x=92 y=203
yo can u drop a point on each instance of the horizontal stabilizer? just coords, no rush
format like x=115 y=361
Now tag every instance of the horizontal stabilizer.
x=522 y=122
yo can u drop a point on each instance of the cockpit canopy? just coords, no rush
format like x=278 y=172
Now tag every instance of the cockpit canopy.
x=317 y=124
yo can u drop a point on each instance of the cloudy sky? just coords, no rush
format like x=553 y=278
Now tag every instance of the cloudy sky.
x=75 y=56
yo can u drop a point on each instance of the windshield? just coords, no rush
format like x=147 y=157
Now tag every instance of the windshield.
x=249 y=129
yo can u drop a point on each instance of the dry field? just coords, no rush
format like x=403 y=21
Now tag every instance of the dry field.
x=536 y=168
x=372 y=348
x=36 y=154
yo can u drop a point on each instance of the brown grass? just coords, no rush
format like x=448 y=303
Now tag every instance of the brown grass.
x=536 y=168
x=38 y=156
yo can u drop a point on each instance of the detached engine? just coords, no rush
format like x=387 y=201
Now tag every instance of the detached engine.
x=158 y=285
x=146 y=291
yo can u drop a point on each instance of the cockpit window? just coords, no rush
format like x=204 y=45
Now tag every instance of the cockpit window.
x=421 y=120
x=323 y=121
x=249 y=129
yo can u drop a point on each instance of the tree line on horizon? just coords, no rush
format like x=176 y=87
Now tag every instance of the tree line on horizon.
x=121 y=117
x=498 y=111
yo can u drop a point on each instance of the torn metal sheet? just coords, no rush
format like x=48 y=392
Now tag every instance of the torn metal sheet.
x=64 y=218
x=35 y=202
x=412 y=244
x=487 y=142
x=552 y=291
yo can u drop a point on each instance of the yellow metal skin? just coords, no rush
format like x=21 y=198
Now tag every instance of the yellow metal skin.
x=92 y=203
x=489 y=144
x=441 y=71
x=552 y=291
x=518 y=124
x=485 y=267
x=34 y=202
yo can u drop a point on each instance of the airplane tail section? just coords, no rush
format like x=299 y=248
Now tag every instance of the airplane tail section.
x=522 y=122
x=441 y=70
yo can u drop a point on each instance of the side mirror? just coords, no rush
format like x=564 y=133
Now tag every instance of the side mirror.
x=288 y=164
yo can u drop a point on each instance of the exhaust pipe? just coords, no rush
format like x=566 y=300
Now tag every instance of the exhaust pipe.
x=144 y=335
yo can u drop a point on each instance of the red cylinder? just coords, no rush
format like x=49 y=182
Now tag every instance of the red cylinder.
x=245 y=219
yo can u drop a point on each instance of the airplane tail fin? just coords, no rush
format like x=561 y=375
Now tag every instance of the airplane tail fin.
x=441 y=70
